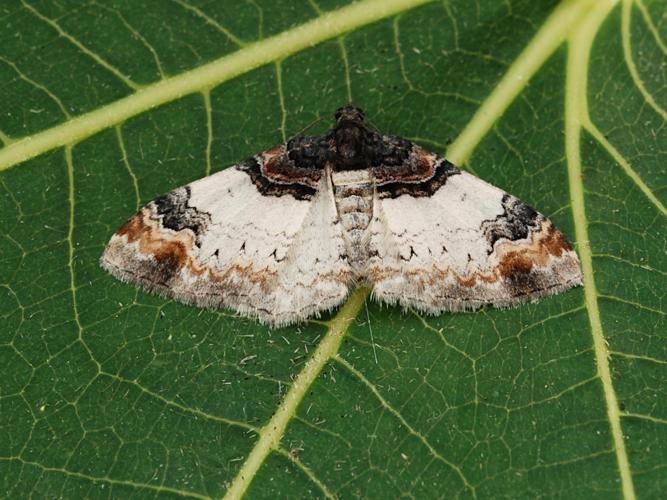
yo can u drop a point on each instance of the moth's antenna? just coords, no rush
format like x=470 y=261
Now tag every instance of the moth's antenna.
x=310 y=125
x=372 y=125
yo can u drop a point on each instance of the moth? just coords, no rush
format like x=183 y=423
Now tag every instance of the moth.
x=291 y=231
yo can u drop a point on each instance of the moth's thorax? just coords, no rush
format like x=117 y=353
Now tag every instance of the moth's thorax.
x=350 y=139
x=350 y=146
x=353 y=193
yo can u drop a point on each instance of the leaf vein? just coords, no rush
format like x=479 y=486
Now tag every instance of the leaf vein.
x=623 y=163
x=626 y=14
x=209 y=20
x=107 y=480
x=385 y=404
x=308 y=472
x=95 y=57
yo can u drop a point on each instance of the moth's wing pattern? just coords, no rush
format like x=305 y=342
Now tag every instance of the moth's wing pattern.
x=259 y=238
x=445 y=240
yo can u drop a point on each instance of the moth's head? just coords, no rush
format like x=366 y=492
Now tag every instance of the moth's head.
x=349 y=114
x=349 y=136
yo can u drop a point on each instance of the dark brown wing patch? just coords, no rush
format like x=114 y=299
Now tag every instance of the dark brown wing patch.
x=274 y=173
x=421 y=174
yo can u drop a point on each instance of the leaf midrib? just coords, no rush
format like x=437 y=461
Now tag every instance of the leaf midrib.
x=580 y=43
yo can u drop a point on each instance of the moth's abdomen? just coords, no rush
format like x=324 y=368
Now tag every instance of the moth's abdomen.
x=353 y=192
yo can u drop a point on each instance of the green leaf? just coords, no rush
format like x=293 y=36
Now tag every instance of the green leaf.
x=106 y=391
